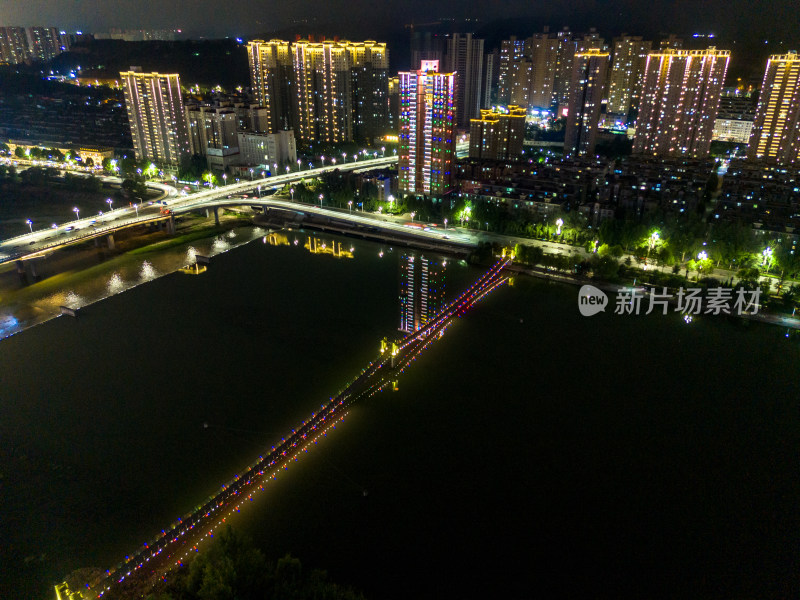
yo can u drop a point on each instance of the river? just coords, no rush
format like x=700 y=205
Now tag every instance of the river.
x=529 y=452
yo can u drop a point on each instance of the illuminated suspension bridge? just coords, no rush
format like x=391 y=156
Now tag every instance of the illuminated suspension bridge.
x=174 y=546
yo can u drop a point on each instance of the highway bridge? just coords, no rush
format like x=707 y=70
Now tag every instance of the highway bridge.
x=40 y=242
x=172 y=548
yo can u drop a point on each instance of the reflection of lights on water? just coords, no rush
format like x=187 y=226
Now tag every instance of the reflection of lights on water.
x=73 y=300
x=8 y=323
x=115 y=284
x=258 y=231
x=264 y=240
x=191 y=254
x=231 y=234
x=220 y=244
x=147 y=272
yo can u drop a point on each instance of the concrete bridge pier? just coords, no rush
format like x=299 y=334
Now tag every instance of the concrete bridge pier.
x=171 y=225
x=110 y=240
x=20 y=267
x=216 y=216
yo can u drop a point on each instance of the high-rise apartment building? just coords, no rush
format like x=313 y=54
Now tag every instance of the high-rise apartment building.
x=272 y=80
x=329 y=91
x=566 y=46
x=465 y=58
x=211 y=127
x=427 y=45
x=422 y=290
x=156 y=116
x=369 y=68
x=776 y=130
x=498 y=134
x=20 y=44
x=427 y=141
x=14 y=45
x=46 y=43
x=587 y=89
x=630 y=56
x=680 y=97
x=543 y=49
x=511 y=51
x=394 y=104
x=491 y=63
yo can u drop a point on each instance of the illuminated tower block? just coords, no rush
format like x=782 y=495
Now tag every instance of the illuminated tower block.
x=586 y=91
x=681 y=91
x=156 y=116
x=776 y=130
x=427 y=130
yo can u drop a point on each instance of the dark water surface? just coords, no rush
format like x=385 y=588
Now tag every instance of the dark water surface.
x=531 y=452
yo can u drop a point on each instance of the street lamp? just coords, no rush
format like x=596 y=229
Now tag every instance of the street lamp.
x=251 y=174
x=702 y=255
x=344 y=156
x=322 y=158
x=258 y=190
x=136 y=208
x=383 y=151
x=287 y=169
x=413 y=214
x=320 y=200
x=767 y=254
x=559 y=223
x=291 y=191
x=275 y=166
x=77 y=212
x=224 y=179
x=350 y=204
x=652 y=241
x=109 y=201
x=333 y=160
x=30 y=224
x=298 y=164
x=445 y=224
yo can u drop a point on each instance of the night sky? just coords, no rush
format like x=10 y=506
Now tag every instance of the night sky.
x=743 y=26
x=742 y=18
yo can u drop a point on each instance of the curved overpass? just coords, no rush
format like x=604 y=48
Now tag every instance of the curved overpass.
x=40 y=242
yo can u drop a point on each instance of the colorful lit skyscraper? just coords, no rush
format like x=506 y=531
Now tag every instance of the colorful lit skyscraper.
x=156 y=116
x=776 y=130
x=586 y=92
x=681 y=92
x=422 y=290
x=427 y=130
